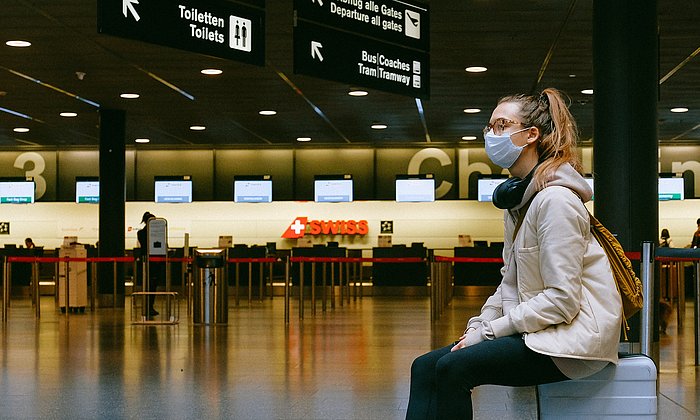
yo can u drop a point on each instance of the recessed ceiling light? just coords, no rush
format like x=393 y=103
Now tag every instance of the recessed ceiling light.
x=303 y=139
x=20 y=130
x=18 y=43
x=679 y=109
x=587 y=91
x=358 y=92
x=472 y=110
x=378 y=126
x=468 y=137
x=142 y=140
x=476 y=69
x=130 y=96
x=212 y=72
x=572 y=76
x=68 y=114
x=197 y=127
x=267 y=112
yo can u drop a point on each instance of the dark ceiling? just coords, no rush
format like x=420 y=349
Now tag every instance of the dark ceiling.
x=510 y=37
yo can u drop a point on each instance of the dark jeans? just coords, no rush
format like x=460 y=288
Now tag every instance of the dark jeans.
x=441 y=381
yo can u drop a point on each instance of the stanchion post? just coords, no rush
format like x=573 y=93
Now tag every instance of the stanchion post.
x=432 y=292
x=5 y=281
x=35 y=286
x=145 y=286
x=114 y=284
x=261 y=269
x=347 y=281
x=361 y=279
x=286 y=290
x=647 y=316
x=301 y=290
x=332 y=285
x=681 y=295
x=250 y=283
x=341 y=269
x=270 y=266
x=238 y=284
x=313 y=286
x=66 y=292
x=323 y=290
x=93 y=285
x=168 y=280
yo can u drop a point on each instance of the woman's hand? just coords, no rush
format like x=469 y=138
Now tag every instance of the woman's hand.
x=471 y=336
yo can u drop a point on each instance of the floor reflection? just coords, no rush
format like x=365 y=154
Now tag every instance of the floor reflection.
x=350 y=362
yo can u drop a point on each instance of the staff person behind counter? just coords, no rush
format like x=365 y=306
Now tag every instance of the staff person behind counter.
x=557 y=313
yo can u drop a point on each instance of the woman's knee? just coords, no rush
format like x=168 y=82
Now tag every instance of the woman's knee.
x=445 y=370
x=455 y=371
x=422 y=364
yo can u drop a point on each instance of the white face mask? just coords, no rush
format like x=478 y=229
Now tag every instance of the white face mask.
x=501 y=149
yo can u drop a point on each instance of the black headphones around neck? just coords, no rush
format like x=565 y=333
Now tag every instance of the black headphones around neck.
x=510 y=192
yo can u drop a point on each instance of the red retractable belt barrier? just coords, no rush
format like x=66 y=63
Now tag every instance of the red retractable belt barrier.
x=468 y=259
x=355 y=259
x=252 y=260
x=68 y=259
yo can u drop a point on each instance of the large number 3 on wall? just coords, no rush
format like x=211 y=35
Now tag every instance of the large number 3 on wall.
x=38 y=166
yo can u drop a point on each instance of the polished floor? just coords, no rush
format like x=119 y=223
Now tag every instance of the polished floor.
x=351 y=362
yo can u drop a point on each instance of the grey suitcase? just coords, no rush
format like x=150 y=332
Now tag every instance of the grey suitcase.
x=626 y=390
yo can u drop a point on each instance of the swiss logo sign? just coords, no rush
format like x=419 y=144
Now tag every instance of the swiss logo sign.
x=301 y=226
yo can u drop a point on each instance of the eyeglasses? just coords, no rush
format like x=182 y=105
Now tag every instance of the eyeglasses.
x=499 y=126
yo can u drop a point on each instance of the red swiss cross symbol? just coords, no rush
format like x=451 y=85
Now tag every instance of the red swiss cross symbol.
x=296 y=229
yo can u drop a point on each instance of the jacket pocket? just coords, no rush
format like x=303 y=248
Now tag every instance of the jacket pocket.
x=528 y=272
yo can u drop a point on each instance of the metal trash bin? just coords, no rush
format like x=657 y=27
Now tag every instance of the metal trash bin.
x=210 y=287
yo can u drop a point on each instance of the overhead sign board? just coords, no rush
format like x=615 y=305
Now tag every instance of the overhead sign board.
x=394 y=21
x=320 y=52
x=374 y=43
x=213 y=27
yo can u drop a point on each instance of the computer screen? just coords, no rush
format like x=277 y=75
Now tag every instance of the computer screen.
x=671 y=189
x=333 y=188
x=486 y=184
x=16 y=191
x=415 y=188
x=252 y=189
x=87 y=190
x=173 y=189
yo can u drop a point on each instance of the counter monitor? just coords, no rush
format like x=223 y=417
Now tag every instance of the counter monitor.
x=415 y=188
x=486 y=184
x=173 y=189
x=87 y=190
x=16 y=190
x=333 y=188
x=252 y=189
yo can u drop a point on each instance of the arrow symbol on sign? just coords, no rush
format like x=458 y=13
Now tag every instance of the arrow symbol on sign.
x=316 y=50
x=128 y=5
x=320 y=2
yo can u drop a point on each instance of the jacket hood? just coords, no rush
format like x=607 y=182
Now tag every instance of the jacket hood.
x=564 y=176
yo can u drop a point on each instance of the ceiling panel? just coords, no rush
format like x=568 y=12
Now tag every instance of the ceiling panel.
x=524 y=43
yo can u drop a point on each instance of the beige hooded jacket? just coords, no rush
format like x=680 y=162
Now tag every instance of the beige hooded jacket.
x=557 y=287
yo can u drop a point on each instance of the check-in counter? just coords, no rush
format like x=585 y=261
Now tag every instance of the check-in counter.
x=478 y=273
x=400 y=273
x=21 y=275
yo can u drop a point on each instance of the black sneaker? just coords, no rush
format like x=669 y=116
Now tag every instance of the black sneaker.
x=153 y=312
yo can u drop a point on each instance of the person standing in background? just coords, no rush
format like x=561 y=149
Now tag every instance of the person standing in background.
x=154 y=268
x=666 y=241
x=695 y=243
x=29 y=243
